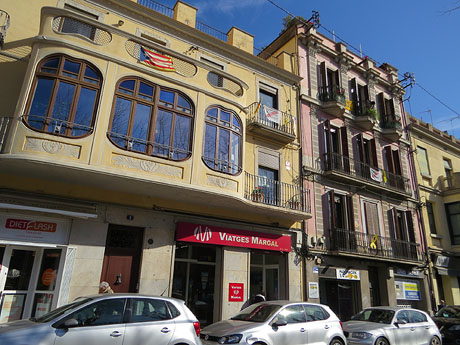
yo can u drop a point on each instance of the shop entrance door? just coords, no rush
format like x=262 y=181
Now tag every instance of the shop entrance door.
x=265 y=276
x=122 y=258
x=29 y=282
x=340 y=296
x=194 y=280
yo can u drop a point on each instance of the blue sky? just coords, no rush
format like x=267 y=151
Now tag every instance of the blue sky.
x=414 y=36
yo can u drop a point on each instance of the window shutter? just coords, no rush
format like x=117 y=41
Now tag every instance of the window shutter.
x=389 y=158
x=381 y=105
x=366 y=93
x=336 y=78
x=323 y=75
x=374 y=162
x=396 y=162
x=354 y=91
x=350 y=213
x=397 y=229
x=267 y=160
x=410 y=226
x=332 y=216
x=360 y=143
x=344 y=138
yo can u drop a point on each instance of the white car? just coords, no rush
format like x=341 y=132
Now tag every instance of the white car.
x=108 y=319
x=391 y=326
x=278 y=323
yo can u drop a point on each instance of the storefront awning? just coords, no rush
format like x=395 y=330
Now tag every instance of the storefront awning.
x=47 y=204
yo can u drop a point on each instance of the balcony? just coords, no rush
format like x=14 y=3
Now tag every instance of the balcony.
x=360 y=243
x=265 y=191
x=449 y=185
x=270 y=123
x=365 y=114
x=333 y=100
x=391 y=127
x=344 y=168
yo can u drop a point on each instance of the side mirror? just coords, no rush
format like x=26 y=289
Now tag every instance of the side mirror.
x=279 y=323
x=400 y=322
x=69 y=323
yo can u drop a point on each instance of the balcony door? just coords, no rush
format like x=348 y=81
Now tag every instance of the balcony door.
x=268 y=182
x=367 y=156
x=393 y=163
x=402 y=234
x=341 y=221
x=336 y=148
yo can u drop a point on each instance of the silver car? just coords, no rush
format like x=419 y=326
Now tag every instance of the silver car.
x=115 y=319
x=391 y=326
x=278 y=323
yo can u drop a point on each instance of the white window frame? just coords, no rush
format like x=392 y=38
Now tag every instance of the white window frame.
x=379 y=213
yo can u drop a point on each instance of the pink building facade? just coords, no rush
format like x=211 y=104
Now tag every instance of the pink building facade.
x=364 y=243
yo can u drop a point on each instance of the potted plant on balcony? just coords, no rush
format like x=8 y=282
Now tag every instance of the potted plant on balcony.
x=372 y=112
x=257 y=195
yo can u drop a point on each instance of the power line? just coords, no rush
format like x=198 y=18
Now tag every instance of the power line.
x=333 y=34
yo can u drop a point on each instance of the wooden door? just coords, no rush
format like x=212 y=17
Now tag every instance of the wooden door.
x=122 y=258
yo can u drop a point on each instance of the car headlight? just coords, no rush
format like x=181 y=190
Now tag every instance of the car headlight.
x=454 y=328
x=361 y=335
x=230 y=339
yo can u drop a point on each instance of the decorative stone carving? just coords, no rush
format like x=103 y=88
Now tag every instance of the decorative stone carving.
x=52 y=147
x=313 y=110
x=147 y=166
x=222 y=183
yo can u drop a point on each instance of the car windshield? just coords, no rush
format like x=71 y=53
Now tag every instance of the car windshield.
x=257 y=313
x=450 y=311
x=375 y=315
x=61 y=310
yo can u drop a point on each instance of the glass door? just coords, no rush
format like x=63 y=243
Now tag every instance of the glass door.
x=19 y=264
x=29 y=282
x=265 y=275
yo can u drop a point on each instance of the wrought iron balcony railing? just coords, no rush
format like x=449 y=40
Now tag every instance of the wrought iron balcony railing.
x=279 y=120
x=374 y=245
x=451 y=183
x=332 y=93
x=275 y=193
x=354 y=168
x=391 y=122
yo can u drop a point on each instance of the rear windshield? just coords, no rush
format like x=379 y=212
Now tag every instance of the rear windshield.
x=451 y=311
x=61 y=310
x=375 y=315
x=257 y=313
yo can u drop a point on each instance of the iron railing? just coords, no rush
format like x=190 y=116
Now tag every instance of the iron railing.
x=333 y=93
x=157 y=7
x=450 y=183
x=275 y=193
x=257 y=114
x=364 y=108
x=209 y=30
x=375 y=245
x=346 y=165
x=391 y=122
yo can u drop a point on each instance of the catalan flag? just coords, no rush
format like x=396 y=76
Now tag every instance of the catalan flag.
x=155 y=60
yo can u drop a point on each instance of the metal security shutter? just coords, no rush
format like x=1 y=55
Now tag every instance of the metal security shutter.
x=269 y=160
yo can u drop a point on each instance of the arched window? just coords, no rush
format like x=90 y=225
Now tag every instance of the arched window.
x=222 y=142
x=64 y=97
x=151 y=119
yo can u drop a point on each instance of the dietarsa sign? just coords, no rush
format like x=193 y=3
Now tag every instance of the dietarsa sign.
x=206 y=234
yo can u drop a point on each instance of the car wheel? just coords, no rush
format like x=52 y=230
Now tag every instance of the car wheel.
x=435 y=341
x=381 y=341
x=336 y=341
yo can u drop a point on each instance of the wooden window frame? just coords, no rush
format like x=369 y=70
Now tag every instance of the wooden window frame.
x=231 y=130
x=57 y=78
x=155 y=105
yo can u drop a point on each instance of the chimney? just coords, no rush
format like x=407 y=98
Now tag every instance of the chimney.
x=185 y=13
x=241 y=39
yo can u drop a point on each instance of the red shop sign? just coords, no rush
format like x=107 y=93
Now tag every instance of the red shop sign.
x=31 y=225
x=235 y=292
x=198 y=233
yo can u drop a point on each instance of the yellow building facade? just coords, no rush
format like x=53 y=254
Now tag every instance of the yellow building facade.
x=143 y=148
x=437 y=157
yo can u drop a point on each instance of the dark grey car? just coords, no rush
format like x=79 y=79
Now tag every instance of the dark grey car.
x=115 y=319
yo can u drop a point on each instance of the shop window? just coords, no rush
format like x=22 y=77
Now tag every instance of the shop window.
x=64 y=97
x=152 y=120
x=222 y=142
